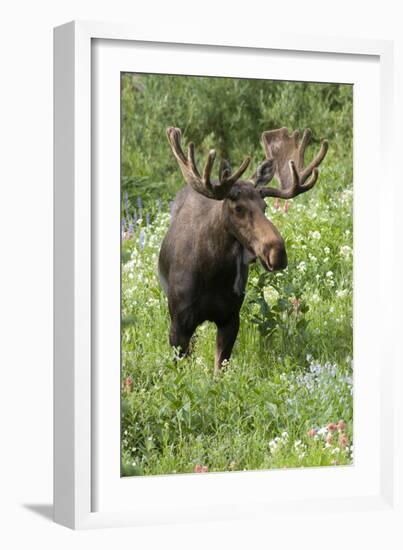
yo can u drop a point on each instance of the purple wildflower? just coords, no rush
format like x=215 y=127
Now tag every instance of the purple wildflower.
x=142 y=239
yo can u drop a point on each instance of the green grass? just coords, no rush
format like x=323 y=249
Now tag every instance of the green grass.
x=291 y=369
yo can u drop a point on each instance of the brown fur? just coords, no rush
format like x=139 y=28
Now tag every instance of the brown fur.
x=204 y=259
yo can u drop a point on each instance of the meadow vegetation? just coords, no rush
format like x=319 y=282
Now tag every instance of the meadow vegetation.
x=285 y=399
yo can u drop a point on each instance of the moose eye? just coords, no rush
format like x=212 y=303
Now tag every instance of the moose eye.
x=238 y=209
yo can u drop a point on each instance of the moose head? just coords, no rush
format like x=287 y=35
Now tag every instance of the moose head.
x=219 y=227
x=243 y=207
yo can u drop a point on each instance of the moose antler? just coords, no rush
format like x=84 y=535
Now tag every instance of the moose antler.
x=203 y=184
x=288 y=153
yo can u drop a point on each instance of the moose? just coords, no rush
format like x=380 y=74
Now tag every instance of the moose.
x=219 y=227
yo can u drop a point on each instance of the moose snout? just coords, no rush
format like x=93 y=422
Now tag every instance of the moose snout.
x=275 y=256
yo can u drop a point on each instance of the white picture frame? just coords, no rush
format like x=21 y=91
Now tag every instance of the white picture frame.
x=88 y=57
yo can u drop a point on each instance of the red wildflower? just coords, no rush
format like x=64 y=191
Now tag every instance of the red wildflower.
x=341 y=426
x=332 y=427
x=296 y=303
x=199 y=469
x=128 y=384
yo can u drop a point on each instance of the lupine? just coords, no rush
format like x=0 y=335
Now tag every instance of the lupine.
x=142 y=239
x=140 y=207
x=131 y=228
x=126 y=203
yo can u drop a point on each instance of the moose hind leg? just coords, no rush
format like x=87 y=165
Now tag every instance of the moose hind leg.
x=226 y=336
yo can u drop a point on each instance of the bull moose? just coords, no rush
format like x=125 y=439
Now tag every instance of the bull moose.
x=219 y=227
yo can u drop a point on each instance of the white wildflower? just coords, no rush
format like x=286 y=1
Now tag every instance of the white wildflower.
x=346 y=251
x=315 y=298
x=342 y=293
x=270 y=295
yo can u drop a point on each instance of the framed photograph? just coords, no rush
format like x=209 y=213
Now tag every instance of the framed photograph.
x=222 y=326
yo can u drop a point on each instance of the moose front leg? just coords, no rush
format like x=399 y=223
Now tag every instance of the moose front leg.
x=226 y=336
x=179 y=338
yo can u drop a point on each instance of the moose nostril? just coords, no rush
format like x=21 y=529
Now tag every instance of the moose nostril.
x=278 y=258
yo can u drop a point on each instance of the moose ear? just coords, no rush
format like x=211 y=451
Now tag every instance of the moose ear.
x=234 y=194
x=264 y=173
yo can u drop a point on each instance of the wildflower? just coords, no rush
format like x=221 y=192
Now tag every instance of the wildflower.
x=270 y=295
x=341 y=293
x=315 y=298
x=277 y=204
x=326 y=250
x=296 y=303
x=346 y=251
x=343 y=441
x=329 y=274
x=301 y=267
x=312 y=432
x=286 y=206
x=315 y=235
x=128 y=384
x=232 y=465
x=329 y=439
x=199 y=469
x=142 y=239
x=341 y=425
x=332 y=427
